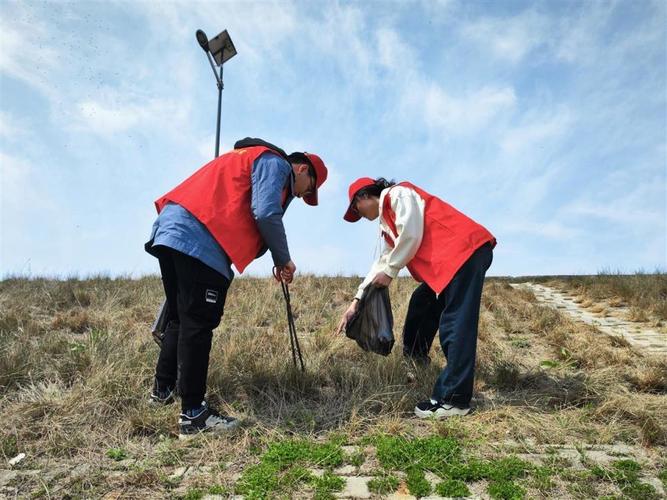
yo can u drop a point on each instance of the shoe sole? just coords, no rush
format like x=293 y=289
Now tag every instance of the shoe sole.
x=218 y=429
x=440 y=414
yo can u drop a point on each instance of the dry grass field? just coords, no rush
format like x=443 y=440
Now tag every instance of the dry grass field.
x=644 y=294
x=561 y=410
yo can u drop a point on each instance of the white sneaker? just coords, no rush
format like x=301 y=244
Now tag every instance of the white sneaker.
x=433 y=409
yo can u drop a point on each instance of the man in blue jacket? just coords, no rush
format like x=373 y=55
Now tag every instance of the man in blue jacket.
x=196 y=268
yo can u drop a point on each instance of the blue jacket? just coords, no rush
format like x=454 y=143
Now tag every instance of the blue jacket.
x=177 y=228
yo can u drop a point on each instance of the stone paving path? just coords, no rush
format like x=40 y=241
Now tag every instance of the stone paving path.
x=356 y=477
x=576 y=458
x=638 y=335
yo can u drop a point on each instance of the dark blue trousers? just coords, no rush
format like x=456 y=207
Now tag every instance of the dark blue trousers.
x=455 y=312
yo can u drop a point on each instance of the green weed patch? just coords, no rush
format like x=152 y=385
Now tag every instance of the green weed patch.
x=506 y=490
x=453 y=488
x=444 y=457
x=625 y=474
x=432 y=453
x=117 y=454
x=282 y=470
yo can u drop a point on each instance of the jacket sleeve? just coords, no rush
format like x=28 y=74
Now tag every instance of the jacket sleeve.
x=409 y=209
x=379 y=264
x=270 y=175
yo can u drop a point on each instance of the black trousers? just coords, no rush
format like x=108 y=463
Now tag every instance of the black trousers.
x=421 y=323
x=196 y=297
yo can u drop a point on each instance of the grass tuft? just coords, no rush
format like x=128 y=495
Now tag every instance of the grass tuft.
x=417 y=483
x=506 y=490
x=117 y=454
x=384 y=484
x=453 y=488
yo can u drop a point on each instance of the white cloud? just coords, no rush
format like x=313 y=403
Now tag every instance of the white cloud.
x=509 y=38
x=463 y=114
x=341 y=36
x=536 y=131
x=206 y=148
x=10 y=127
x=550 y=229
x=103 y=119
x=84 y=92
x=334 y=189
x=576 y=38
x=628 y=210
x=430 y=103
x=257 y=28
x=393 y=53
x=24 y=54
x=14 y=181
x=438 y=10
x=113 y=112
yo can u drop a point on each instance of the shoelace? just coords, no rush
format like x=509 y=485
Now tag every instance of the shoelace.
x=294 y=340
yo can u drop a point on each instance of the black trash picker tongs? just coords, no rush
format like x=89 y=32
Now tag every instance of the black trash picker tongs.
x=294 y=340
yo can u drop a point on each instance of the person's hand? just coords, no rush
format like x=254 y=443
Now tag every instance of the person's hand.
x=347 y=316
x=287 y=271
x=381 y=280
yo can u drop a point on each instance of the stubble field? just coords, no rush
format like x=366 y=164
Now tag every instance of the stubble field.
x=561 y=410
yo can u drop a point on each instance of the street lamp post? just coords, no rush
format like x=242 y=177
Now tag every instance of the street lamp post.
x=219 y=50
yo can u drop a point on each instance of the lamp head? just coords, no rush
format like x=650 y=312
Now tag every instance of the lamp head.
x=202 y=39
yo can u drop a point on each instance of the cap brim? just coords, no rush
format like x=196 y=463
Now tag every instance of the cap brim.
x=351 y=215
x=311 y=199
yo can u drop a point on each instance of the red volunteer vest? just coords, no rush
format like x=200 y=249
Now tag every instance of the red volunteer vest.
x=218 y=195
x=449 y=239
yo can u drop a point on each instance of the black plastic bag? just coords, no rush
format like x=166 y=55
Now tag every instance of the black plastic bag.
x=373 y=324
x=160 y=323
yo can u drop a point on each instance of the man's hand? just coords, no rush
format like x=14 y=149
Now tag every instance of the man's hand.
x=381 y=280
x=347 y=316
x=287 y=271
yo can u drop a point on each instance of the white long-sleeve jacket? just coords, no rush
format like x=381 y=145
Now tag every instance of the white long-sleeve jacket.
x=409 y=209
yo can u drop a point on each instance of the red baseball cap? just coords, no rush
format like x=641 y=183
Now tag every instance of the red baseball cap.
x=321 y=173
x=351 y=215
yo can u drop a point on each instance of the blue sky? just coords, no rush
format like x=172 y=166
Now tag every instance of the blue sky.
x=544 y=121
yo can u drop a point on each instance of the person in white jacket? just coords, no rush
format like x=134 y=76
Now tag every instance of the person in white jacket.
x=449 y=254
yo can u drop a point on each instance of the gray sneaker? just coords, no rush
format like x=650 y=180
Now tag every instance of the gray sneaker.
x=161 y=397
x=207 y=419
